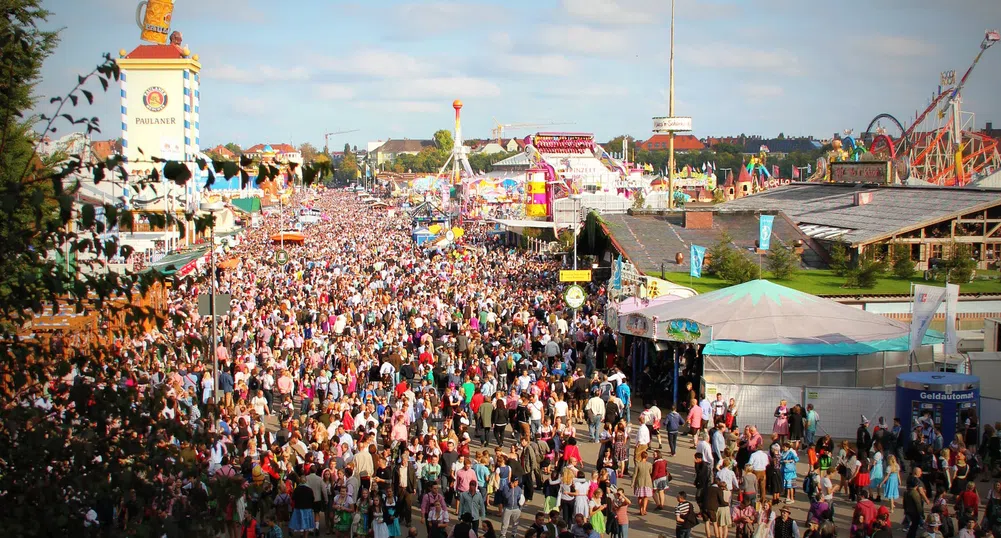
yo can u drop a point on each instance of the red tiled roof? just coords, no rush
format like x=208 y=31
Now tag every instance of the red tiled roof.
x=223 y=152
x=681 y=143
x=102 y=149
x=156 y=52
x=279 y=148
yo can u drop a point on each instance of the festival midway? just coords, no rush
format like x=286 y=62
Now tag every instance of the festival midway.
x=549 y=332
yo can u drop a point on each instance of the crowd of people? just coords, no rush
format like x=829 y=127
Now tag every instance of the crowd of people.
x=372 y=387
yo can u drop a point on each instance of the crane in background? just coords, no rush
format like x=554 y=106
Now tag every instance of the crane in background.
x=326 y=138
x=498 y=130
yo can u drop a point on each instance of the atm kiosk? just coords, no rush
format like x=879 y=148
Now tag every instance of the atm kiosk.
x=944 y=399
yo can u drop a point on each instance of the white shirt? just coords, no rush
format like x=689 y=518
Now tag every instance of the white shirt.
x=560 y=408
x=642 y=435
x=535 y=410
x=728 y=478
x=759 y=460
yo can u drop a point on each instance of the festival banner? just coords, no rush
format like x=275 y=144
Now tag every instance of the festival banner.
x=765 y=231
x=775 y=170
x=617 y=275
x=696 y=256
x=951 y=308
x=795 y=172
x=926 y=301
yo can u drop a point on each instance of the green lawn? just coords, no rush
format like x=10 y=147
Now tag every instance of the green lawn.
x=825 y=282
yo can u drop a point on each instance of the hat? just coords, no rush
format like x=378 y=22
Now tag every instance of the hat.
x=934 y=520
x=786 y=510
x=864 y=420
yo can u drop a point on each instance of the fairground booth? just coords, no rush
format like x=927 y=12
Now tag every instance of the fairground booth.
x=760 y=343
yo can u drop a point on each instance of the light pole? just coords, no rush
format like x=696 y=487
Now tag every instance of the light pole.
x=212 y=208
x=670 y=112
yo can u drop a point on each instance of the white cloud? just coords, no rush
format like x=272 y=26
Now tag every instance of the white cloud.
x=541 y=64
x=759 y=92
x=335 y=92
x=377 y=63
x=726 y=56
x=578 y=39
x=612 y=11
x=898 y=46
x=403 y=106
x=584 y=91
x=441 y=87
x=242 y=105
x=424 y=18
x=642 y=12
x=262 y=74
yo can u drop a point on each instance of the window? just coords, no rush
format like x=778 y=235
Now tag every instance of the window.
x=937 y=252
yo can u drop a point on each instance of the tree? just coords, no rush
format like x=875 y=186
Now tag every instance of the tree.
x=729 y=264
x=443 y=140
x=960 y=265
x=639 y=201
x=235 y=148
x=309 y=152
x=901 y=263
x=782 y=261
x=866 y=271
x=840 y=262
x=347 y=169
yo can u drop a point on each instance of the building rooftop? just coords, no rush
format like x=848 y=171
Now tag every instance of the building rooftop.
x=652 y=239
x=404 y=146
x=156 y=52
x=829 y=208
x=681 y=143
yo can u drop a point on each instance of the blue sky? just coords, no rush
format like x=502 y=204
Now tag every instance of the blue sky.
x=290 y=71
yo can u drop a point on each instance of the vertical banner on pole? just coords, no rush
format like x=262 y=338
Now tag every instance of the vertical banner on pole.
x=951 y=307
x=697 y=255
x=926 y=299
x=765 y=231
x=617 y=275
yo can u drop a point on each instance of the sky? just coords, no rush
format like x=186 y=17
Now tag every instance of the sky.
x=291 y=71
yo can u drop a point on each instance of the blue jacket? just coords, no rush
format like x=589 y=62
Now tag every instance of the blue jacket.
x=624 y=393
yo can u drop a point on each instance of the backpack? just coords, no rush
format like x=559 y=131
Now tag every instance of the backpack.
x=810 y=485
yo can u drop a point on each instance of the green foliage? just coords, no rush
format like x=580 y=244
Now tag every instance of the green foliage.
x=718 y=196
x=840 y=262
x=443 y=141
x=782 y=261
x=900 y=261
x=866 y=271
x=639 y=201
x=730 y=265
x=235 y=148
x=960 y=265
x=347 y=169
x=309 y=152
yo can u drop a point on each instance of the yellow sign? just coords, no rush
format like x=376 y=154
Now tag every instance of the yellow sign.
x=583 y=275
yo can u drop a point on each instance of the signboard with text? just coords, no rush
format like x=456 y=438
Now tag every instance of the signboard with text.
x=861 y=172
x=572 y=275
x=667 y=124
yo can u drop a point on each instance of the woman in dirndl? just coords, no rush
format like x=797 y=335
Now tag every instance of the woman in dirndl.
x=343 y=509
x=781 y=426
x=303 y=519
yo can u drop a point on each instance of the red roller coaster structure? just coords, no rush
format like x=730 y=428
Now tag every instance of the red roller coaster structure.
x=941 y=148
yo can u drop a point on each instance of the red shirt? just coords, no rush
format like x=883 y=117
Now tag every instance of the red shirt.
x=476 y=402
x=659 y=468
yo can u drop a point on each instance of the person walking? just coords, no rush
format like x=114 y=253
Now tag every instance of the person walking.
x=643 y=482
x=684 y=516
x=511 y=495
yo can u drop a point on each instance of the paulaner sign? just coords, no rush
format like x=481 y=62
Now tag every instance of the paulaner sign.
x=861 y=172
x=944 y=396
x=156 y=121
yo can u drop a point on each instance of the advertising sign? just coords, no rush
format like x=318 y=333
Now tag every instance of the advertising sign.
x=861 y=172
x=685 y=330
x=582 y=275
x=667 y=124
x=636 y=325
x=765 y=231
x=575 y=296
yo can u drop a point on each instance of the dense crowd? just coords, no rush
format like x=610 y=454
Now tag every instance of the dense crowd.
x=373 y=387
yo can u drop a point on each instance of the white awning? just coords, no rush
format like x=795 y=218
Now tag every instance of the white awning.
x=525 y=223
x=817 y=231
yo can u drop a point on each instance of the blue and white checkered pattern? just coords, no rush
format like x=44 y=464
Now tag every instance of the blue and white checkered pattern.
x=189 y=153
x=125 y=113
x=195 y=87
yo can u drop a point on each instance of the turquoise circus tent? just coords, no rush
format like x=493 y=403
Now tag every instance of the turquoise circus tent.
x=766 y=319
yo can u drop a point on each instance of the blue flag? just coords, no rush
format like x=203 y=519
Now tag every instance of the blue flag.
x=765 y=231
x=617 y=276
x=697 y=256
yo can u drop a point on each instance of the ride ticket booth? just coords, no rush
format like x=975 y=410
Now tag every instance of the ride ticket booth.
x=944 y=399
